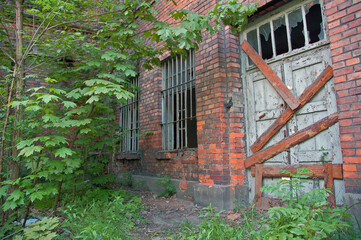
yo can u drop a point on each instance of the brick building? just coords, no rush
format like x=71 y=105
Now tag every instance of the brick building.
x=205 y=120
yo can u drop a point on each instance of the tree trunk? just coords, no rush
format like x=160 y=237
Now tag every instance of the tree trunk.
x=14 y=164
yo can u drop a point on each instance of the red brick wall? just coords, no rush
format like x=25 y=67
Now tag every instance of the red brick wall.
x=221 y=143
x=182 y=164
x=344 y=23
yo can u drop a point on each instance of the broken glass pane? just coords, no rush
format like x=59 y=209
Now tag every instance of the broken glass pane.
x=280 y=33
x=253 y=41
x=296 y=29
x=266 y=41
x=314 y=22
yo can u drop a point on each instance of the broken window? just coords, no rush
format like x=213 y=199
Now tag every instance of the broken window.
x=179 y=126
x=129 y=123
x=285 y=32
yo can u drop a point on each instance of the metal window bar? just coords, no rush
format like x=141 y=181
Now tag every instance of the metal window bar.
x=305 y=30
x=178 y=76
x=129 y=123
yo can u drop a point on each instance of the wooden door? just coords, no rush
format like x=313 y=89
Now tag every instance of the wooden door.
x=263 y=105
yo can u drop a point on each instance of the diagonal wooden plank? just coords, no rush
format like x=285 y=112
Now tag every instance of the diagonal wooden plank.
x=271 y=171
x=292 y=140
x=306 y=96
x=271 y=76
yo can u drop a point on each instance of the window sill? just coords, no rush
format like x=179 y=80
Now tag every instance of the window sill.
x=127 y=156
x=164 y=155
x=175 y=154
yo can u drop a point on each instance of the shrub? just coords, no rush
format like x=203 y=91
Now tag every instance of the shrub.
x=304 y=215
x=168 y=187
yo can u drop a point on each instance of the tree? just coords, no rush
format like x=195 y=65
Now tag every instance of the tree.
x=86 y=52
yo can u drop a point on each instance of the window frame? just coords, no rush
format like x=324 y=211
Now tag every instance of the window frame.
x=129 y=121
x=178 y=84
x=278 y=13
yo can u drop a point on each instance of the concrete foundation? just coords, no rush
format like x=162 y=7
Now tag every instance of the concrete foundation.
x=354 y=201
x=223 y=197
x=185 y=189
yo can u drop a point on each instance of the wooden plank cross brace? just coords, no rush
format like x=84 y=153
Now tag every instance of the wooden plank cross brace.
x=271 y=76
x=326 y=171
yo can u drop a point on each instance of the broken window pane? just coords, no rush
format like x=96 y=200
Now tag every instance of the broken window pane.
x=314 y=22
x=280 y=33
x=266 y=41
x=296 y=29
x=253 y=41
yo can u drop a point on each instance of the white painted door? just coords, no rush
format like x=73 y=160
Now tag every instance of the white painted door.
x=263 y=105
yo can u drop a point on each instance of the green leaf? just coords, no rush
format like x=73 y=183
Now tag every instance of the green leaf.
x=50 y=118
x=55 y=140
x=63 y=152
x=85 y=130
x=93 y=99
x=9 y=205
x=28 y=151
x=3 y=190
x=69 y=104
x=46 y=98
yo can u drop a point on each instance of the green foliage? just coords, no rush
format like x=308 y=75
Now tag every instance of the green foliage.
x=44 y=229
x=101 y=214
x=306 y=215
x=167 y=185
x=86 y=52
x=126 y=179
x=213 y=226
x=233 y=13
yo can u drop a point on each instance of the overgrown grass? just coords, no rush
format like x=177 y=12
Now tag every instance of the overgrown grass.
x=303 y=215
x=101 y=214
x=213 y=226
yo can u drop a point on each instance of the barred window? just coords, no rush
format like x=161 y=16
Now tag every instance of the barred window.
x=129 y=123
x=179 y=126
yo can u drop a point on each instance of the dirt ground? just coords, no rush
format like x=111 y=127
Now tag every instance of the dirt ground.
x=163 y=215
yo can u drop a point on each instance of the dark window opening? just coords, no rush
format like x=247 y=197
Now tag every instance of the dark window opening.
x=280 y=33
x=179 y=125
x=266 y=41
x=296 y=29
x=314 y=23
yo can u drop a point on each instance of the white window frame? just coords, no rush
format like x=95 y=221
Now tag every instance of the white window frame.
x=284 y=12
x=129 y=122
x=178 y=102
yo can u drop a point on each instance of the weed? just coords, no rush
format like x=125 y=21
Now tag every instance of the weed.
x=166 y=183
x=102 y=214
x=127 y=179
x=305 y=215
x=214 y=227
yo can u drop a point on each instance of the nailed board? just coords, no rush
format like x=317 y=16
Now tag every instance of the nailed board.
x=309 y=78
x=327 y=171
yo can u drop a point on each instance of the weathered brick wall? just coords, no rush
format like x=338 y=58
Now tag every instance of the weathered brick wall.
x=181 y=164
x=344 y=23
x=221 y=142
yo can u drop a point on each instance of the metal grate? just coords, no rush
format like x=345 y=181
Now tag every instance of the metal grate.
x=129 y=123
x=179 y=126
